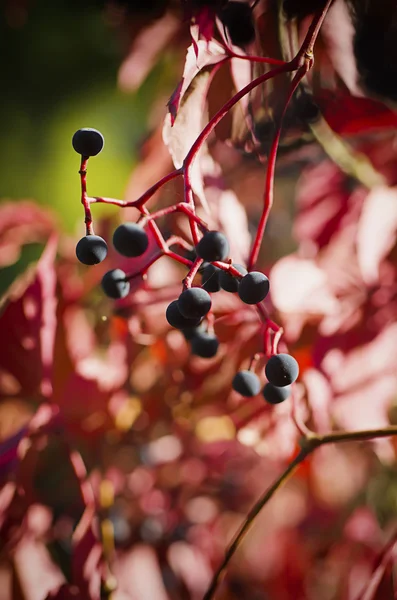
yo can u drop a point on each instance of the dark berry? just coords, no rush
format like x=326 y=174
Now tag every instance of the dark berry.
x=91 y=250
x=190 y=332
x=253 y=288
x=204 y=344
x=194 y=303
x=210 y=278
x=213 y=246
x=246 y=383
x=130 y=240
x=115 y=285
x=229 y=282
x=301 y=8
x=238 y=19
x=375 y=48
x=175 y=319
x=281 y=370
x=88 y=142
x=274 y=394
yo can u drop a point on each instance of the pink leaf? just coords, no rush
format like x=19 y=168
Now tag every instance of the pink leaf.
x=37 y=574
x=203 y=55
x=28 y=323
x=188 y=125
x=145 y=50
x=300 y=286
x=377 y=231
x=20 y=223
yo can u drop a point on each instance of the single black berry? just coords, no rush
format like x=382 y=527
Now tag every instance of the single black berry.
x=190 y=332
x=175 y=319
x=130 y=240
x=246 y=383
x=274 y=394
x=210 y=278
x=88 y=142
x=204 y=344
x=91 y=250
x=115 y=285
x=194 y=303
x=253 y=288
x=281 y=370
x=238 y=19
x=213 y=246
x=229 y=282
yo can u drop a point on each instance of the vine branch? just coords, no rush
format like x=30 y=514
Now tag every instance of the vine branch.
x=308 y=444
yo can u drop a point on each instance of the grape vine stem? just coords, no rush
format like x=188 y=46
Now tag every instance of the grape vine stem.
x=308 y=444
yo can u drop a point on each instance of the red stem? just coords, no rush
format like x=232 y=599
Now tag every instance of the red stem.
x=208 y=129
x=181 y=207
x=187 y=282
x=89 y=230
x=269 y=183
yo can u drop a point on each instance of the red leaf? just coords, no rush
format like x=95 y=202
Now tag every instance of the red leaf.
x=28 y=324
x=347 y=114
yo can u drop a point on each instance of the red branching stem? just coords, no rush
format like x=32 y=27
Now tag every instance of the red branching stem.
x=151 y=191
x=178 y=258
x=229 y=268
x=313 y=31
x=256 y=59
x=176 y=240
x=84 y=199
x=181 y=207
x=189 y=200
x=276 y=340
x=187 y=282
x=271 y=167
x=208 y=129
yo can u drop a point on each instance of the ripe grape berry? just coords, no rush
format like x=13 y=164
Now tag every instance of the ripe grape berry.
x=253 y=288
x=175 y=319
x=194 y=303
x=213 y=246
x=246 y=383
x=91 y=250
x=190 y=332
x=88 y=142
x=274 y=394
x=130 y=240
x=210 y=278
x=204 y=344
x=281 y=370
x=115 y=285
x=229 y=282
x=237 y=18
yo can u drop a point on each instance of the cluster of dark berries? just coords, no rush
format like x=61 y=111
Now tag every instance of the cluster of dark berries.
x=194 y=303
x=129 y=239
x=281 y=371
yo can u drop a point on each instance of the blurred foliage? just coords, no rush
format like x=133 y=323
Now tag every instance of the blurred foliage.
x=60 y=74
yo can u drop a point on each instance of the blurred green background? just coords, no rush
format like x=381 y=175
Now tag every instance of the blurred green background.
x=59 y=73
x=59 y=67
